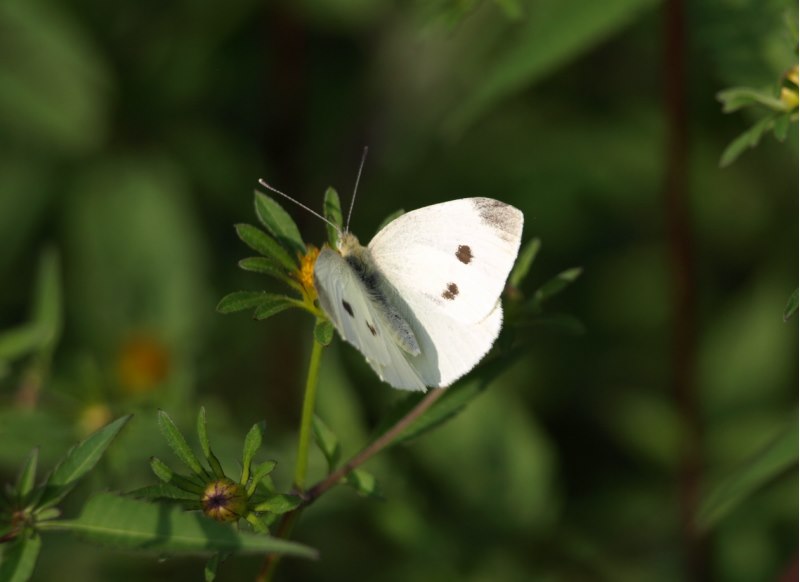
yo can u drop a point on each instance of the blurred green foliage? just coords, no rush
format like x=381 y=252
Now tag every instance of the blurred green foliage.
x=132 y=138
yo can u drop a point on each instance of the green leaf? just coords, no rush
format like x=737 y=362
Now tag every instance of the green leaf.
x=735 y=98
x=241 y=300
x=178 y=444
x=279 y=503
x=205 y=444
x=134 y=524
x=450 y=403
x=323 y=332
x=27 y=475
x=264 y=266
x=556 y=285
x=272 y=305
x=258 y=473
x=364 y=483
x=19 y=558
x=749 y=139
x=161 y=469
x=252 y=442
x=264 y=244
x=394 y=215
x=78 y=461
x=333 y=212
x=791 y=306
x=327 y=443
x=524 y=262
x=210 y=569
x=47 y=302
x=20 y=341
x=279 y=224
x=782 y=126
x=166 y=492
x=776 y=458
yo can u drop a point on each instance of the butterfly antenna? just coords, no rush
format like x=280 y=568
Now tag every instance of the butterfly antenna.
x=355 y=189
x=300 y=204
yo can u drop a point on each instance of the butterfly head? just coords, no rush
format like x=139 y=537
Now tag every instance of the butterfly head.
x=348 y=244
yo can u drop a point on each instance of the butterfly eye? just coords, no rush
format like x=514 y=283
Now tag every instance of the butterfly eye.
x=464 y=254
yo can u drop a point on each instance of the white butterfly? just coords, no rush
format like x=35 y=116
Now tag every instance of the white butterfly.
x=422 y=300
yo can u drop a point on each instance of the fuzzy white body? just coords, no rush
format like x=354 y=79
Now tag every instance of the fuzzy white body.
x=422 y=300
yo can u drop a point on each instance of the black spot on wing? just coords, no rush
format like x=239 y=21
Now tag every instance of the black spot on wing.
x=450 y=291
x=464 y=254
x=348 y=308
x=372 y=329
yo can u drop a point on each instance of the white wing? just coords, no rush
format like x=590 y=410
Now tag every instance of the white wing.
x=452 y=257
x=362 y=320
x=444 y=268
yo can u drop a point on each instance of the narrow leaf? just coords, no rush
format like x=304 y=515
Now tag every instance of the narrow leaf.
x=161 y=469
x=241 y=300
x=333 y=212
x=279 y=503
x=791 y=306
x=524 y=262
x=258 y=473
x=165 y=492
x=556 y=285
x=364 y=483
x=272 y=305
x=205 y=444
x=19 y=558
x=78 y=461
x=264 y=266
x=135 y=524
x=749 y=139
x=264 y=244
x=773 y=460
x=323 y=332
x=178 y=444
x=278 y=223
x=327 y=443
x=27 y=475
x=252 y=442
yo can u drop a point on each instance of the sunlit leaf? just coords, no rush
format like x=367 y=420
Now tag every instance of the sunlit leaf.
x=264 y=244
x=333 y=212
x=78 y=461
x=279 y=224
x=139 y=525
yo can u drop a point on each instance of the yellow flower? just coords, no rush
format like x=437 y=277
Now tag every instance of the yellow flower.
x=306 y=273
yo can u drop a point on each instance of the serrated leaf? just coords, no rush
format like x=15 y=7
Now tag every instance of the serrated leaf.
x=323 y=332
x=791 y=306
x=524 y=262
x=18 y=559
x=279 y=504
x=178 y=444
x=20 y=341
x=749 y=139
x=241 y=300
x=78 y=461
x=264 y=266
x=556 y=285
x=138 y=525
x=273 y=305
x=264 y=244
x=27 y=475
x=450 y=403
x=252 y=442
x=278 y=223
x=205 y=444
x=333 y=212
x=393 y=216
x=327 y=442
x=776 y=458
x=364 y=483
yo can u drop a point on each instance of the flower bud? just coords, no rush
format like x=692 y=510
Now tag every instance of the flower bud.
x=224 y=500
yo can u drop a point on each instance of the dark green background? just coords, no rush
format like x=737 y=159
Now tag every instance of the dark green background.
x=132 y=135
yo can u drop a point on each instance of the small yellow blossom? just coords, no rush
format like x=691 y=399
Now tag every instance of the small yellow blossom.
x=306 y=273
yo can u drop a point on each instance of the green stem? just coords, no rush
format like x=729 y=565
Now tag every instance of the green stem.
x=308 y=415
